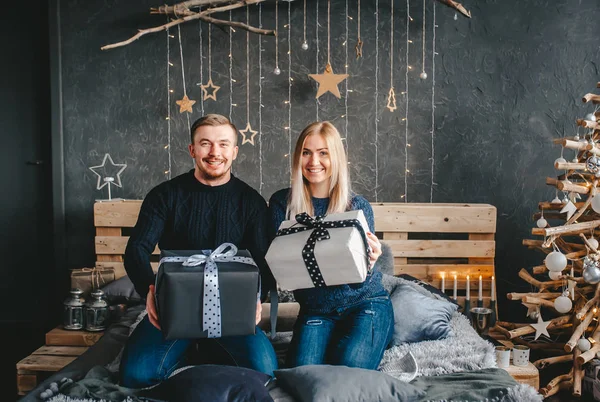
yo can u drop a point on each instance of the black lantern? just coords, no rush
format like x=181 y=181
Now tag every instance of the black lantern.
x=96 y=312
x=73 y=310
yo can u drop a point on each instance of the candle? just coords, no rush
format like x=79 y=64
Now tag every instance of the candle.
x=443 y=283
x=480 y=289
x=468 y=288
x=493 y=289
x=454 y=294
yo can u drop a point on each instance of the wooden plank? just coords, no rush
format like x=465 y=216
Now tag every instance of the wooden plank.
x=119 y=267
x=114 y=245
x=44 y=362
x=442 y=248
x=62 y=337
x=438 y=218
x=525 y=375
x=26 y=382
x=396 y=236
x=122 y=213
x=481 y=236
x=60 y=350
x=100 y=231
x=431 y=272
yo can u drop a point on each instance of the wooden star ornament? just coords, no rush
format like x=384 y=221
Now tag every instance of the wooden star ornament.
x=213 y=93
x=185 y=104
x=391 y=103
x=328 y=81
x=245 y=132
x=541 y=327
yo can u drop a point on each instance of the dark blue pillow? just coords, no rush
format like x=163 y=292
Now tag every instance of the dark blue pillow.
x=213 y=383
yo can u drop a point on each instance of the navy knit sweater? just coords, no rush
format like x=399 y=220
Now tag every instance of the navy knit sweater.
x=184 y=214
x=326 y=300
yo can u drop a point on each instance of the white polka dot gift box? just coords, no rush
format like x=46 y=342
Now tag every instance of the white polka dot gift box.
x=207 y=293
x=320 y=251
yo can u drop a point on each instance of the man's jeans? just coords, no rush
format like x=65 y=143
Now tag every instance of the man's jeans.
x=354 y=336
x=149 y=359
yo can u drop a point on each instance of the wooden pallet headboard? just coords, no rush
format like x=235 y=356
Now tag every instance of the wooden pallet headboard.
x=427 y=240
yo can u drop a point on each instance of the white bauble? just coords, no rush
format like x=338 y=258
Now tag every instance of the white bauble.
x=584 y=345
x=556 y=200
x=554 y=275
x=596 y=204
x=556 y=261
x=423 y=75
x=277 y=71
x=590 y=117
x=560 y=160
x=563 y=304
x=304 y=46
x=541 y=223
x=593 y=242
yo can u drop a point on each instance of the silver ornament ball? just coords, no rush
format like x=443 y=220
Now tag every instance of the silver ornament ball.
x=591 y=272
x=593 y=164
x=423 y=75
x=541 y=223
x=304 y=46
x=584 y=345
x=277 y=71
x=563 y=304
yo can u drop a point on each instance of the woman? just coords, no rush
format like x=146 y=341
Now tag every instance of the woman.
x=347 y=325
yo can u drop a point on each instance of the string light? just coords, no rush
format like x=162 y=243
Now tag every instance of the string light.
x=168 y=118
x=277 y=71
x=376 y=98
x=260 y=78
x=289 y=40
x=432 y=108
x=304 y=42
x=346 y=81
x=317 y=52
x=405 y=119
x=423 y=74
x=230 y=71
x=201 y=65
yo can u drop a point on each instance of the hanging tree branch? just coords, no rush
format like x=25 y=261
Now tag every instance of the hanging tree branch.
x=182 y=12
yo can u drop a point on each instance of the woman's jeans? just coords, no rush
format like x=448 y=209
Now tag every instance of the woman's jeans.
x=149 y=359
x=354 y=336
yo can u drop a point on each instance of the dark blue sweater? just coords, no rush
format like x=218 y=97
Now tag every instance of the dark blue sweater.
x=184 y=214
x=327 y=299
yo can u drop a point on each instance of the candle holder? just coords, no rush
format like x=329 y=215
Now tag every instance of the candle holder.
x=467 y=309
x=73 y=310
x=96 y=312
x=481 y=320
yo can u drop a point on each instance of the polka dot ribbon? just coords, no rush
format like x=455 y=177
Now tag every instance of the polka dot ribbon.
x=211 y=311
x=320 y=232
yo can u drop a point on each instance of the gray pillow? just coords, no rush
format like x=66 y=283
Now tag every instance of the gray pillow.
x=121 y=291
x=418 y=317
x=326 y=383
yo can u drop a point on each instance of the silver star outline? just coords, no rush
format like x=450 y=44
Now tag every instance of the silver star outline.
x=101 y=183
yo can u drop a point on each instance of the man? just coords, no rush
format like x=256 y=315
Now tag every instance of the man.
x=197 y=210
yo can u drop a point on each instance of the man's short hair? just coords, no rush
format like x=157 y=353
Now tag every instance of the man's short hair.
x=213 y=120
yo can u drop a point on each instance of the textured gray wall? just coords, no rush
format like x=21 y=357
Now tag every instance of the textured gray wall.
x=507 y=82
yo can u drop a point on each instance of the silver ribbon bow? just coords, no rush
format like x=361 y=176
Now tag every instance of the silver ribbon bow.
x=211 y=311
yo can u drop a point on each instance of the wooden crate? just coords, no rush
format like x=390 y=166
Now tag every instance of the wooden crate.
x=431 y=240
x=426 y=240
x=42 y=363
x=63 y=337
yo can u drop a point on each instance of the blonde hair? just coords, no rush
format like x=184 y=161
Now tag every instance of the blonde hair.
x=299 y=199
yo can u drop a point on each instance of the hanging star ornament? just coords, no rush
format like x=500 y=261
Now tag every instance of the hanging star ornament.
x=328 y=81
x=185 y=104
x=532 y=309
x=245 y=132
x=570 y=209
x=213 y=93
x=108 y=172
x=391 y=103
x=541 y=327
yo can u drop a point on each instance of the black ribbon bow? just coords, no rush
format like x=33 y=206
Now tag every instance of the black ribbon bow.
x=320 y=232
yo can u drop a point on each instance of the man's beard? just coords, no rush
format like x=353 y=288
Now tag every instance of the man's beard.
x=213 y=175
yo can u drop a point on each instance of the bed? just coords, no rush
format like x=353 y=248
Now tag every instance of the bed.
x=457 y=366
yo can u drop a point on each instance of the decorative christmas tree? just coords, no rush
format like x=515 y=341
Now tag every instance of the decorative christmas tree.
x=566 y=303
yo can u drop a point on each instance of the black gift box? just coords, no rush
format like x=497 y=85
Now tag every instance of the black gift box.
x=179 y=296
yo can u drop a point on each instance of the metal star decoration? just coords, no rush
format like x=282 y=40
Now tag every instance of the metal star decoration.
x=245 y=132
x=541 y=327
x=214 y=88
x=107 y=174
x=185 y=104
x=328 y=81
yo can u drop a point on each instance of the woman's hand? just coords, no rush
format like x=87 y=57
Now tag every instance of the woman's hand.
x=258 y=312
x=375 y=247
x=151 y=307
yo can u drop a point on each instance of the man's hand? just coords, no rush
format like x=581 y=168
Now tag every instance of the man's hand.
x=151 y=307
x=258 y=312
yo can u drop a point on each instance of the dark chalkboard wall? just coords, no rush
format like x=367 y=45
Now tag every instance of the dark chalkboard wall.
x=507 y=82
